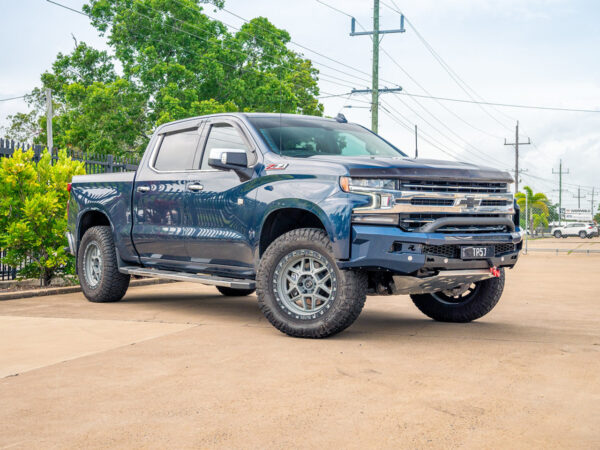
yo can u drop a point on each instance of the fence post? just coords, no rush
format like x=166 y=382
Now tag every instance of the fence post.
x=110 y=163
x=37 y=152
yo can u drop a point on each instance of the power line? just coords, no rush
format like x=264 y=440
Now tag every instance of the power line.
x=427 y=92
x=12 y=98
x=431 y=140
x=455 y=77
x=291 y=41
x=193 y=35
x=437 y=101
x=506 y=105
x=475 y=152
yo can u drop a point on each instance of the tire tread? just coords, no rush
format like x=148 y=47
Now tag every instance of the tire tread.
x=352 y=287
x=114 y=284
x=486 y=299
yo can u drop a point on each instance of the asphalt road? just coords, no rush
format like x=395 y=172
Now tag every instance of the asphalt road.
x=177 y=365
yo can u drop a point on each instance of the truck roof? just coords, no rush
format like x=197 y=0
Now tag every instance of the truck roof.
x=244 y=116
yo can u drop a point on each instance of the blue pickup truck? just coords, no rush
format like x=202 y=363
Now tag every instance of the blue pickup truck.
x=313 y=214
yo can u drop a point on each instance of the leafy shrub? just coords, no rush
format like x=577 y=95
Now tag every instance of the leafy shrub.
x=33 y=212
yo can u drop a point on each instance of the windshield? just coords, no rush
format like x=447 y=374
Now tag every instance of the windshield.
x=304 y=137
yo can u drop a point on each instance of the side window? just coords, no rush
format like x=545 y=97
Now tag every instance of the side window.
x=177 y=151
x=222 y=135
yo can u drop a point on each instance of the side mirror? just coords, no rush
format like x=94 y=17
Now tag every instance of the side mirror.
x=227 y=159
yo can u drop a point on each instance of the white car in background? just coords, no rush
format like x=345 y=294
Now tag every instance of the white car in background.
x=583 y=230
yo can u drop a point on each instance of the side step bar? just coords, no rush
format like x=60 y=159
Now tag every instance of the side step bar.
x=234 y=283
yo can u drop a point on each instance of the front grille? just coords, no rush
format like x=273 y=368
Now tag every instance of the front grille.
x=501 y=249
x=463 y=187
x=411 y=222
x=432 y=201
x=425 y=201
x=453 y=251
x=494 y=203
x=445 y=251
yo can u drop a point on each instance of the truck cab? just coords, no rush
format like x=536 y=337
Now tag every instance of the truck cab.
x=312 y=213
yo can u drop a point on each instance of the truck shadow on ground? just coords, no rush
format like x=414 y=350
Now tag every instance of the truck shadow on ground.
x=370 y=324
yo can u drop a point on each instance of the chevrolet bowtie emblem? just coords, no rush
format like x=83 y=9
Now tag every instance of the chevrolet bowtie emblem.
x=470 y=202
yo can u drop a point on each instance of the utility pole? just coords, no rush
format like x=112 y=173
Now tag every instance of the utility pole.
x=49 y=119
x=375 y=74
x=416 y=143
x=578 y=197
x=560 y=173
x=516 y=145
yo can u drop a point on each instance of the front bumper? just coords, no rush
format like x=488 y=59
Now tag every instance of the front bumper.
x=390 y=248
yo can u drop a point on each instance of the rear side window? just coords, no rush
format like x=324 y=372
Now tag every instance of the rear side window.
x=222 y=135
x=177 y=151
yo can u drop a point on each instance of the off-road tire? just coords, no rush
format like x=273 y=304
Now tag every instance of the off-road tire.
x=233 y=292
x=582 y=234
x=557 y=234
x=113 y=284
x=344 y=307
x=482 y=302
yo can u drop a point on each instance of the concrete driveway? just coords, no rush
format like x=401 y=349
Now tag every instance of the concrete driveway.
x=177 y=365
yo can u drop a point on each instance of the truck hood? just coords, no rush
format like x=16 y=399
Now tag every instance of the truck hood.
x=414 y=168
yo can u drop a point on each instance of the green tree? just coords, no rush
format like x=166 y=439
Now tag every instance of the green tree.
x=176 y=62
x=540 y=220
x=532 y=204
x=553 y=212
x=33 y=219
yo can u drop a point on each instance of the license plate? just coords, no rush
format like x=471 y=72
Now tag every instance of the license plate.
x=483 y=252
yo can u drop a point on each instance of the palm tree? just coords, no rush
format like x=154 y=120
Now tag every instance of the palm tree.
x=532 y=202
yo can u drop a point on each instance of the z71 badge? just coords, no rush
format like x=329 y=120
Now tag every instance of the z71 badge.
x=280 y=166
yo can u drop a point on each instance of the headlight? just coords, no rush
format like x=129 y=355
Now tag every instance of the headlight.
x=366 y=184
x=380 y=199
x=373 y=187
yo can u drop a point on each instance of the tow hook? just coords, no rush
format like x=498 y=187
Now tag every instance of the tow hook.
x=495 y=272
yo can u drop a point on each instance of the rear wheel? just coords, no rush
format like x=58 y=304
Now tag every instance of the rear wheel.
x=557 y=234
x=233 y=292
x=300 y=289
x=464 y=303
x=582 y=234
x=97 y=267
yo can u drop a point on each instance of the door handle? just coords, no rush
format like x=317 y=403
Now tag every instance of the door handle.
x=195 y=187
x=143 y=189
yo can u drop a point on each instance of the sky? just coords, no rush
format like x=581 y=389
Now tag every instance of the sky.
x=531 y=52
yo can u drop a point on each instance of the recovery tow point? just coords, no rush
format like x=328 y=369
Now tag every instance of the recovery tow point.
x=495 y=272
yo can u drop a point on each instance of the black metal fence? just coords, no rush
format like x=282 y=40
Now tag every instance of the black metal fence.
x=93 y=164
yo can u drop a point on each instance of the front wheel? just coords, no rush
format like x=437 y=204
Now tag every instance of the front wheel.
x=557 y=234
x=582 y=234
x=300 y=289
x=464 y=303
x=97 y=267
